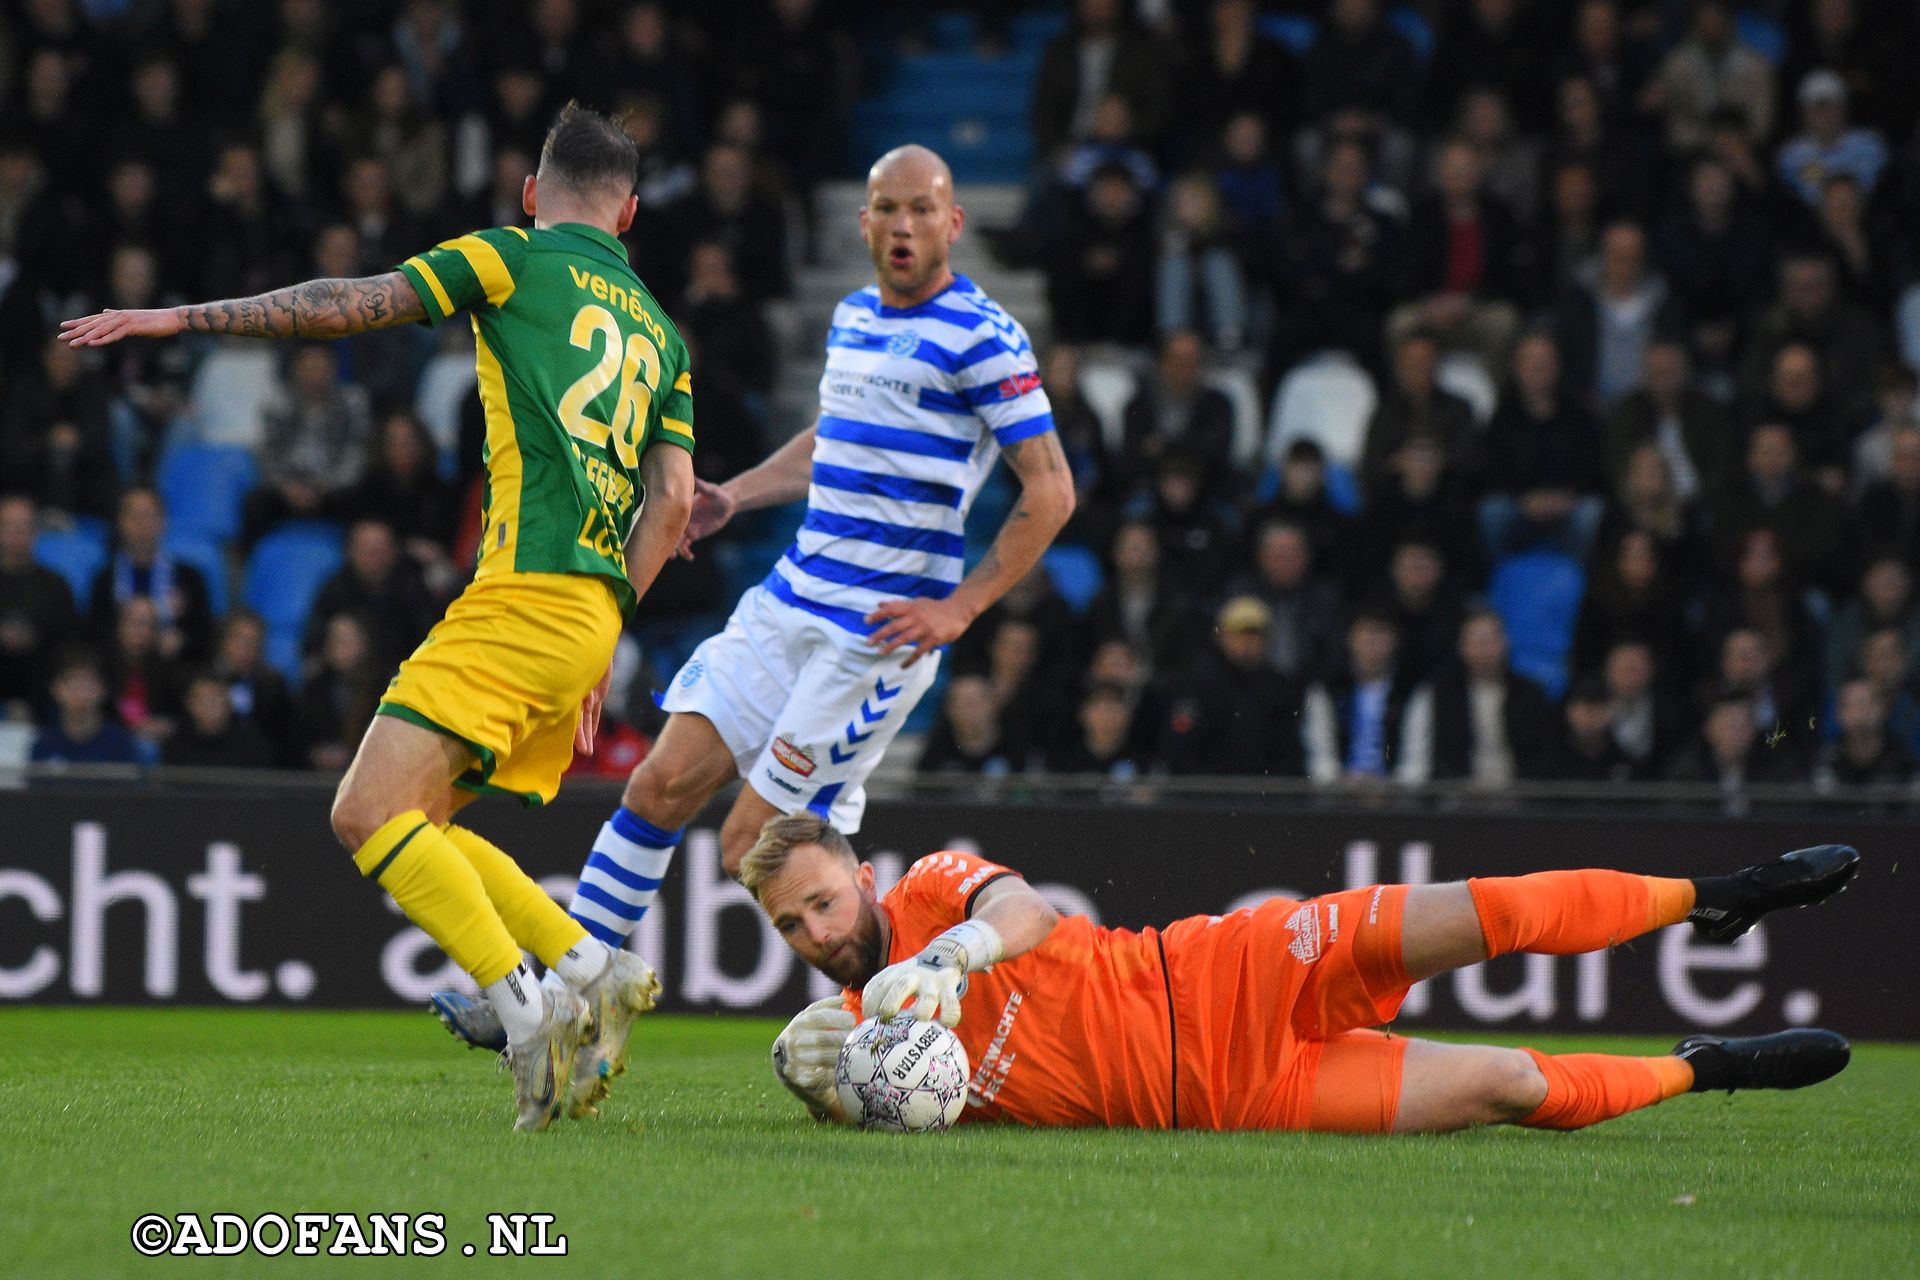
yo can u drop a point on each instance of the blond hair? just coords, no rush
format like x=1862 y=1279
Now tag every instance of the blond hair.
x=777 y=841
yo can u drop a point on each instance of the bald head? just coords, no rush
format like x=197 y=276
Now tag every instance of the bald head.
x=910 y=221
x=918 y=167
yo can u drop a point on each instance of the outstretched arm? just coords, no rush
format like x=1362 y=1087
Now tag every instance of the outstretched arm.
x=331 y=308
x=1046 y=502
x=783 y=477
x=1013 y=910
x=1008 y=920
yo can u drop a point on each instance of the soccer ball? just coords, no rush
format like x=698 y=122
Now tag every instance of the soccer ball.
x=902 y=1076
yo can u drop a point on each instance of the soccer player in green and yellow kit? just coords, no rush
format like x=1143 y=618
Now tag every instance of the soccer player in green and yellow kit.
x=589 y=415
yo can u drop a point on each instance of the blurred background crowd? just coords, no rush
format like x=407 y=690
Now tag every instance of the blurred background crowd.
x=1473 y=389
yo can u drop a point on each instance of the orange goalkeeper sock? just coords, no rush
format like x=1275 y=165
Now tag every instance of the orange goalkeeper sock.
x=1586 y=1088
x=1564 y=913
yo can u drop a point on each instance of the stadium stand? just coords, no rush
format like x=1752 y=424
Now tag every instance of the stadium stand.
x=1596 y=196
x=76 y=554
x=284 y=573
x=204 y=487
x=1537 y=594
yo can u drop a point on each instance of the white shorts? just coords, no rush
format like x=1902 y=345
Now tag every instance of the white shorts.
x=806 y=708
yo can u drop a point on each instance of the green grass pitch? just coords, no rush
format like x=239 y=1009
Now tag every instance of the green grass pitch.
x=703 y=1167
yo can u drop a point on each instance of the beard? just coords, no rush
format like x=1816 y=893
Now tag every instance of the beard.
x=910 y=279
x=859 y=956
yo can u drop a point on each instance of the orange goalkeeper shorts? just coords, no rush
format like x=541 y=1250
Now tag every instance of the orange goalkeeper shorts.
x=1259 y=994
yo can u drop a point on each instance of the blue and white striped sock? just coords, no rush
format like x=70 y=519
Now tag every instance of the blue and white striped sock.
x=618 y=884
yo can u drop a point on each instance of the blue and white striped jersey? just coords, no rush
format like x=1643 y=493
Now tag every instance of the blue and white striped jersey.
x=915 y=404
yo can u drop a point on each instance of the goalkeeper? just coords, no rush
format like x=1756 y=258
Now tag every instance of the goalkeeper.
x=1261 y=1019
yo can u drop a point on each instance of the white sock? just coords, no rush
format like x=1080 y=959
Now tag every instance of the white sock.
x=518 y=1001
x=587 y=960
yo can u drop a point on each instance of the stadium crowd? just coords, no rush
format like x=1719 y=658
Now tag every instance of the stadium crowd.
x=1634 y=300
x=1634 y=303
x=158 y=151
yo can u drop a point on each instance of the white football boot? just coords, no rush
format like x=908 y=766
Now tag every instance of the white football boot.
x=625 y=989
x=542 y=1066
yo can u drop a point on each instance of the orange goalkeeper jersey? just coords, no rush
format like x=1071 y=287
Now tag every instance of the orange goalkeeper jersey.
x=1075 y=1032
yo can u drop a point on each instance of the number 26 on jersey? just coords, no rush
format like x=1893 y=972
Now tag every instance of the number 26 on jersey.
x=634 y=362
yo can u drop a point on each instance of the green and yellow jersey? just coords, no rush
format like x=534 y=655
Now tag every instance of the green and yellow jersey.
x=580 y=372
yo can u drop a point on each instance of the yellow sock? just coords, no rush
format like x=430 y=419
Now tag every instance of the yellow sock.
x=439 y=890
x=534 y=919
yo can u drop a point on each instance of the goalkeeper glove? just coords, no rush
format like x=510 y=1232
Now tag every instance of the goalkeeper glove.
x=805 y=1054
x=936 y=978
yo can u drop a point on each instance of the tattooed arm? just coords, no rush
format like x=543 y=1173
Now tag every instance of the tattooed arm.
x=333 y=308
x=1046 y=500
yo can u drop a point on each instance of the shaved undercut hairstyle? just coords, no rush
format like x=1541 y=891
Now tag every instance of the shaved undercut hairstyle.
x=779 y=838
x=588 y=153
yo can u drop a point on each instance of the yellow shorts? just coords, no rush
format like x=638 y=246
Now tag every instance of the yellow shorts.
x=504 y=673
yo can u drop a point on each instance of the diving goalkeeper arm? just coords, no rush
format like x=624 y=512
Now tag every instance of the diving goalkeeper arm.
x=1009 y=919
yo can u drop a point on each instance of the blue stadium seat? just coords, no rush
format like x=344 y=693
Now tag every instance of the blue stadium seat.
x=974 y=109
x=1037 y=29
x=95 y=527
x=1766 y=37
x=989 y=512
x=1413 y=28
x=282 y=648
x=205 y=554
x=978 y=145
x=204 y=486
x=1076 y=575
x=1292 y=30
x=1266 y=485
x=1537 y=594
x=286 y=571
x=75 y=554
x=950 y=30
x=1343 y=489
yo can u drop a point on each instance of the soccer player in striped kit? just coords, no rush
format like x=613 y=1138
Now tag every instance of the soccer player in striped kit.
x=927 y=383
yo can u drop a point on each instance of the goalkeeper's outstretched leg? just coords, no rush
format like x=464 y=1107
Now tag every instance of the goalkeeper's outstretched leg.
x=1450 y=926
x=1369 y=1082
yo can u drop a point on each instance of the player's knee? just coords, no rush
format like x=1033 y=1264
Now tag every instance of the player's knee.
x=354 y=816
x=1515 y=1087
x=363 y=805
x=667 y=798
